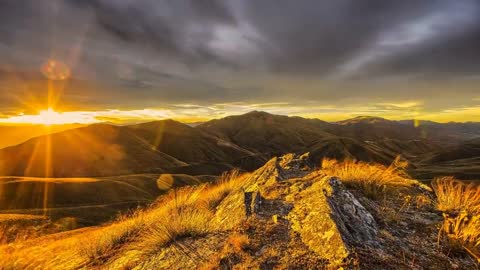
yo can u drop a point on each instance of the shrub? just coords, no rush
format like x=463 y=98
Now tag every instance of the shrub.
x=372 y=178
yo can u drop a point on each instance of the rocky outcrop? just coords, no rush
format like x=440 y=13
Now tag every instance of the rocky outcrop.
x=331 y=221
x=296 y=217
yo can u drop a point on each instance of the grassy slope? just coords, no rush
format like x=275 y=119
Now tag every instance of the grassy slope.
x=268 y=134
x=187 y=143
x=186 y=217
x=13 y=135
x=96 y=150
x=461 y=161
x=90 y=200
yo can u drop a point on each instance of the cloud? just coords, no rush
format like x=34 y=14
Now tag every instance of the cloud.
x=136 y=54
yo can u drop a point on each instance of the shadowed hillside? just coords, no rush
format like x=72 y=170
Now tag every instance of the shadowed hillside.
x=266 y=133
x=346 y=148
x=462 y=161
x=193 y=145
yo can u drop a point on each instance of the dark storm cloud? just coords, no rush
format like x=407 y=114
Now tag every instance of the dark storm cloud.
x=140 y=51
x=302 y=36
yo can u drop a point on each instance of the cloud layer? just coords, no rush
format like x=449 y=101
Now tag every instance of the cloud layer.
x=137 y=54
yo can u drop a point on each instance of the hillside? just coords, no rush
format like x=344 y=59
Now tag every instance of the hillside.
x=376 y=128
x=269 y=134
x=104 y=150
x=192 y=145
x=346 y=148
x=243 y=141
x=78 y=198
x=461 y=161
x=285 y=215
x=468 y=149
x=96 y=150
x=13 y=135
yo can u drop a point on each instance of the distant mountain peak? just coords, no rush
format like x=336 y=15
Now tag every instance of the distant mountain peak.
x=257 y=113
x=364 y=119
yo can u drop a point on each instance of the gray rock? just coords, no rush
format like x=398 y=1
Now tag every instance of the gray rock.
x=331 y=221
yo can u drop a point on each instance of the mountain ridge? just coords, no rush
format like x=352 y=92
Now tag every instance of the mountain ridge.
x=241 y=141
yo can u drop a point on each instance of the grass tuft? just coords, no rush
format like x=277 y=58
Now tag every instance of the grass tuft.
x=460 y=204
x=372 y=178
x=454 y=196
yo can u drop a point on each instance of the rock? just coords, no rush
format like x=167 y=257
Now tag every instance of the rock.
x=252 y=201
x=331 y=221
x=241 y=204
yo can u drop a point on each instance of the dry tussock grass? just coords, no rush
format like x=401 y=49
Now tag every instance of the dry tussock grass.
x=185 y=212
x=238 y=242
x=454 y=196
x=372 y=178
x=460 y=204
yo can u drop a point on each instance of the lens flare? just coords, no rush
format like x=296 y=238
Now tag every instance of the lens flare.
x=56 y=70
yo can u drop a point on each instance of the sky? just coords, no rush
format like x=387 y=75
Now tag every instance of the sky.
x=136 y=60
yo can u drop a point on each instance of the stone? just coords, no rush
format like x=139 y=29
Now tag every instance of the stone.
x=331 y=221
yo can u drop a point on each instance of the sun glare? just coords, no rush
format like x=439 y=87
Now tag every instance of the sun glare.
x=50 y=117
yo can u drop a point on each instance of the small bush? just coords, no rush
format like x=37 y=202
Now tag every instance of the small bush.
x=372 y=178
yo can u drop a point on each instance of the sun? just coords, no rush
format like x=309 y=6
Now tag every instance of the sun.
x=51 y=117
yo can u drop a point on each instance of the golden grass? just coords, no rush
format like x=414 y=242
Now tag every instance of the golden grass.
x=460 y=204
x=100 y=246
x=372 y=178
x=455 y=196
x=187 y=212
x=238 y=242
x=184 y=212
x=182 y=222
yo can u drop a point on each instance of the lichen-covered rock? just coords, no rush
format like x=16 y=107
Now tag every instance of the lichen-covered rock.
x=330 y=220
x=234 y=209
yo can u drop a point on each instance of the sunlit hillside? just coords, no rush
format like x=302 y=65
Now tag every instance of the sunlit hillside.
x=213 y=226
x=13 y=135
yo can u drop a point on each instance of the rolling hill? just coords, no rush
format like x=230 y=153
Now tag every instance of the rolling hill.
x=243 y=141
x=346 y=148
x=189 y=144
x=461 y=161
x=89 y=200
x=96 y=150
x=375 y=128
x=269 y=134
x=104 y=150
x=13 y=135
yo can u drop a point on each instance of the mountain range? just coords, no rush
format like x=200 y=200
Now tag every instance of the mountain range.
x=243 y=141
